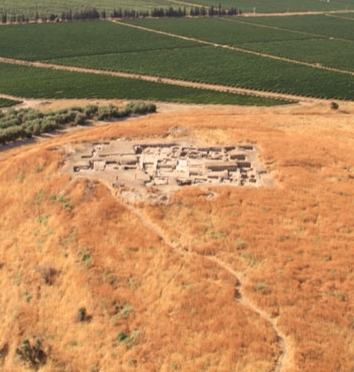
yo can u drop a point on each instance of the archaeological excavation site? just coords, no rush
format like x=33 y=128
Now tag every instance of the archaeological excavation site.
x=168 y=166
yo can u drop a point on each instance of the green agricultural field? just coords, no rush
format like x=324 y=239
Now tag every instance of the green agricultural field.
x=4 y=102
x=329 y=53
x=345 y=15
x=119 y=47
x=316 y=25
x=227 y=67
x=56 y=40
x=35 y=82
x=228 y=31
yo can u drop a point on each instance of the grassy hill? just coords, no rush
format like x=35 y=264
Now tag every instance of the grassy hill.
x=217 y=279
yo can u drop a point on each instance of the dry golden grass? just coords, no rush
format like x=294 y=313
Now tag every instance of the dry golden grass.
x=147 y=271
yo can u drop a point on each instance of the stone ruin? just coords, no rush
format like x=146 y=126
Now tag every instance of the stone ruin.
x=168 y=165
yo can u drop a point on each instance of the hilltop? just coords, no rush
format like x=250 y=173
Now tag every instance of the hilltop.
x=216 y=278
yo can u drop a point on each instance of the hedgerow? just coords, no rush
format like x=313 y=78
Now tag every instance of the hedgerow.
x=25 y=123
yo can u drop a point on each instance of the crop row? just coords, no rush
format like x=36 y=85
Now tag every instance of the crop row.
x=22 y=81
x=222 y=66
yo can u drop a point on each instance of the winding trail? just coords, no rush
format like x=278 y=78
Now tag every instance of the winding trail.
x=285 y=357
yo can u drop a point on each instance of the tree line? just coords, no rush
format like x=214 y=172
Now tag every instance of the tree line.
x=94 y=14
x=26 y=123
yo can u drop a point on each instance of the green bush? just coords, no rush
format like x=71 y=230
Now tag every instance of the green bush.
x=27 y=122
x=33 y=354
x=334 y=106
x=90 y=110
x=48 y=125
x=108 y=112
x=81 y=314
x=30 y=114
x=80 y=119
x=139 y=108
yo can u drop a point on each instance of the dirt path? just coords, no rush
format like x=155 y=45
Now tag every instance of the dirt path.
x=285 y=356
x=265 y=55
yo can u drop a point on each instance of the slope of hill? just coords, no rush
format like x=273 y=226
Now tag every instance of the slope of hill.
x=216 y=279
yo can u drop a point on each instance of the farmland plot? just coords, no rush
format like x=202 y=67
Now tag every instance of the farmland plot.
x=226 y=31
x=23 y=81
x=330 y=53
x=291 y=44
x=45 y=41
x=206 y=56
x=227 y=67
x=317 y=25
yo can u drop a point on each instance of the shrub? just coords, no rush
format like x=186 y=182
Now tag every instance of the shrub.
x=49 y=124
x=80 y=119
x=122 y=336
x=47 y=272
x=107 y=112
x=139 y=107
x=334 y=106
x=32 y=354
x=31 y=114
x=10 y=134
x=26 y=132
x=81 y=314
x=90 y=110
x=9 y=121
x=34 y=126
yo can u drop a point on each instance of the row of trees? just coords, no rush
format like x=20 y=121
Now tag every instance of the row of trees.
x=94 y=14
x=25 y=123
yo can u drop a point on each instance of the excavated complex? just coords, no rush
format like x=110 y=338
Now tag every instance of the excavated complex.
x=169 y=165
